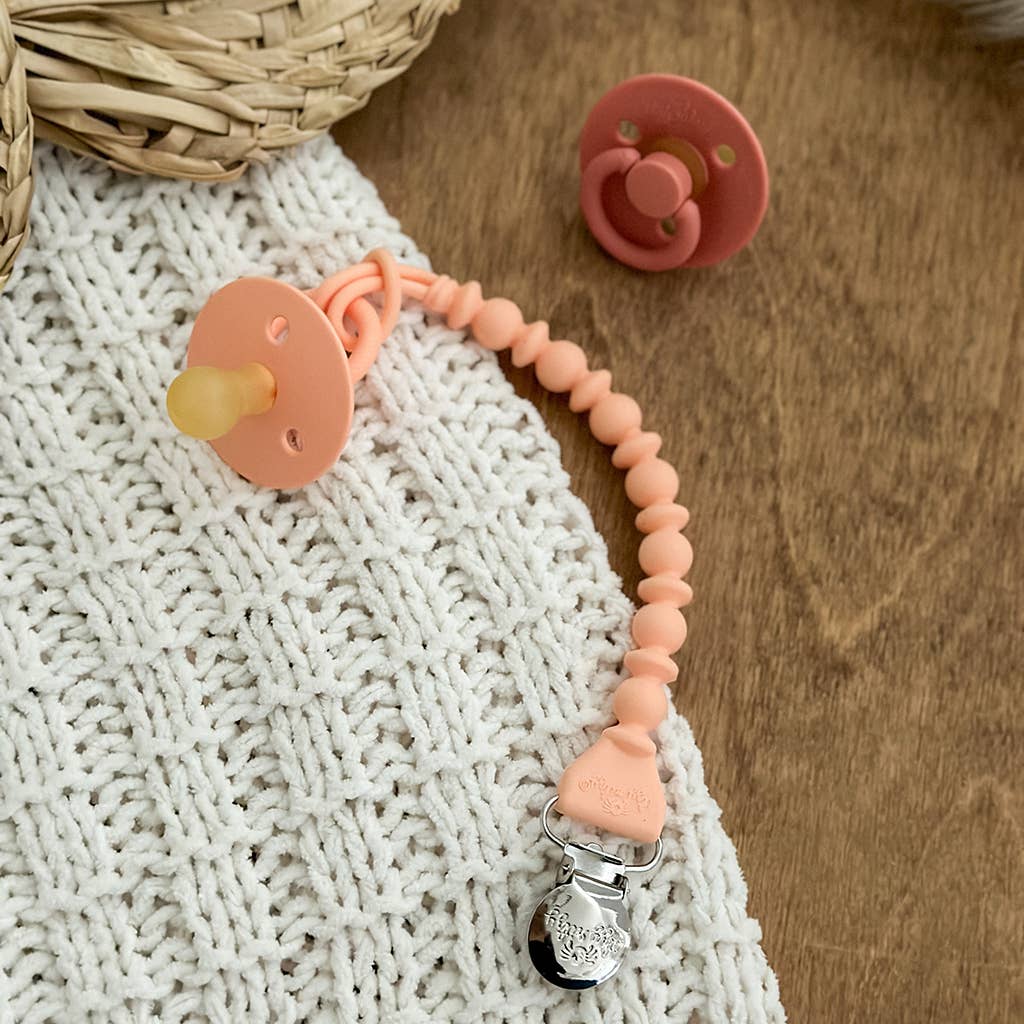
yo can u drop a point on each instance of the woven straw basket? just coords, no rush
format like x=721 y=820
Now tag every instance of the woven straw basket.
x=193 y=89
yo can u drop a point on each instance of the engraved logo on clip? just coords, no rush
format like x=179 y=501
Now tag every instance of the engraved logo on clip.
x=616 y=800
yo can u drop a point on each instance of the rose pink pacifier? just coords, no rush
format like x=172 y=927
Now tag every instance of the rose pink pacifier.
x=673 y=176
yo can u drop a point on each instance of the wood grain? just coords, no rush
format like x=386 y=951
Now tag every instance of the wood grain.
x=844 y=402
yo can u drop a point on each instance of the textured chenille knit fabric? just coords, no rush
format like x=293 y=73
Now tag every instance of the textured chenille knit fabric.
x=279 y=757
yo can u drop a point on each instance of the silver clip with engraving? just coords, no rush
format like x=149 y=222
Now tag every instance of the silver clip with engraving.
x=579 y=932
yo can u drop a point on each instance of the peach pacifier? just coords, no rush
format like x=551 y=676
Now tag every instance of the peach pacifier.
x=271 y=370
x=268 y=383
x=673 y=175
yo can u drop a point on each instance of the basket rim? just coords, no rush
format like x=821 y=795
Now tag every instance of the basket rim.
x=15 y=148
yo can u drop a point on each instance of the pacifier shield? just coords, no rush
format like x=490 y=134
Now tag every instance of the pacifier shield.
x=260 y=320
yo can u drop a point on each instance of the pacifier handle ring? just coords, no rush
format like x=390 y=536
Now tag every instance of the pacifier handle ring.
x=343 y=297
x=620 y=160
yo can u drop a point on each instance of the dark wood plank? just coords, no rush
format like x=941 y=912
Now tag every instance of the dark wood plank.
x=844 y=402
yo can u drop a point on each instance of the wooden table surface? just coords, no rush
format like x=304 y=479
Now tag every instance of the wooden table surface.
x=845 y=402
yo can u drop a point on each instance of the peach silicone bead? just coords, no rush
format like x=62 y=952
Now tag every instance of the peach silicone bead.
x=465 y=304
x=530 y=343
x=641 y=700
x=438 y=296
x=615 y=418
x=497 y=323
x=651 y=661
x=561 y=366
x=662 y=516
x=665 y=588
x=639 y=448
x=652 y=482
x=665 y=551
x=659 y=625
x=589 y=391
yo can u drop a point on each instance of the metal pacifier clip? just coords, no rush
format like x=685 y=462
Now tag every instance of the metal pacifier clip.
x=270 y=385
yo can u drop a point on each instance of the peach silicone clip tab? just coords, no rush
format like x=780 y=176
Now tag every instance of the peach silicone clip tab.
x=271 y=371
x=673 y=176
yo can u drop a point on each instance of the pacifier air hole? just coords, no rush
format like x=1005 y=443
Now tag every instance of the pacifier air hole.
x=628 y=131
x=725 y=155
x=668 y=225
x=278 y=330
x=293 y=439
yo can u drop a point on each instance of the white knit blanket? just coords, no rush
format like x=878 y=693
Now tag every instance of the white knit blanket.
x=279 y=756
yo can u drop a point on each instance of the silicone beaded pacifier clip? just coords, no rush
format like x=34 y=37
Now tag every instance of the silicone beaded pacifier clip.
x=269 y=383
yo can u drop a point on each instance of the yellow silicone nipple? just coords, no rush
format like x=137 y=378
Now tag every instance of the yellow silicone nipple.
x=206 y=402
